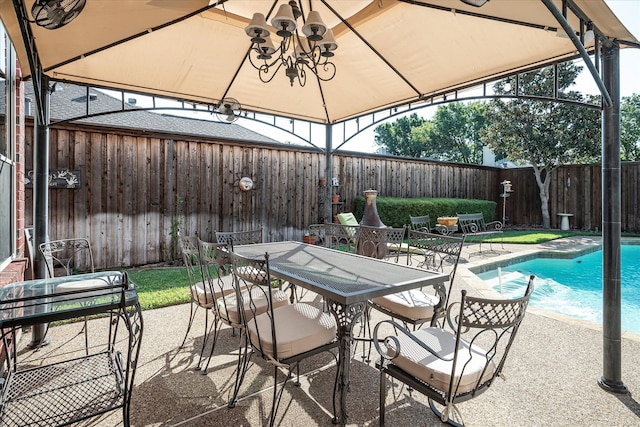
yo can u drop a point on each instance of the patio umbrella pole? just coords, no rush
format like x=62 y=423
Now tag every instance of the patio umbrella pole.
x=611 y=379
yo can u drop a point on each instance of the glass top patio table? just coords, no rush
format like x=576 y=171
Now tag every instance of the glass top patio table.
x=63 y=392
x=42 y=300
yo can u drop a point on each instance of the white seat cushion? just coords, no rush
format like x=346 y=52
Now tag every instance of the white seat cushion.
x=203 y=294
x=228 y=306
x=412 y=304
x=221 y=287
x=83 y=285
x=421 y=364
x=299 y=328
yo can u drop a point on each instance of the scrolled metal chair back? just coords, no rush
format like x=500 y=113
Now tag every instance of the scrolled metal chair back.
x=340 y=236
x=254 y=278
x=420 y=223
x=71 y=255
x=379 y=242
x=235 y=238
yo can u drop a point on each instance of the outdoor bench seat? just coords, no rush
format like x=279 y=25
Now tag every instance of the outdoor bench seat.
x=473 y=225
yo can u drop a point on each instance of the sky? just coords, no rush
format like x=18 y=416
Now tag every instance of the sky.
x=627 y=11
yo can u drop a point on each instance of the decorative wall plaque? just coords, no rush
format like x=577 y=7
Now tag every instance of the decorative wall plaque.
x=58 y=178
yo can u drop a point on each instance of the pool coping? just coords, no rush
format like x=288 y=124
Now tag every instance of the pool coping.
x=569 y=247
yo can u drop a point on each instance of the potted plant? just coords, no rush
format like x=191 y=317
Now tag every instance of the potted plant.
x=310 y=237
x=335 y=198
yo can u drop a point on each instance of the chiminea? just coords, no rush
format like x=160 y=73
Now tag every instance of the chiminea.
x=371 y=219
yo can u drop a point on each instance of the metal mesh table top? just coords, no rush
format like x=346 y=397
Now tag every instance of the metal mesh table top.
x=343 y=277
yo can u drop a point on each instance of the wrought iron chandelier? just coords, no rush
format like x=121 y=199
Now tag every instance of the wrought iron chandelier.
x=297 y=53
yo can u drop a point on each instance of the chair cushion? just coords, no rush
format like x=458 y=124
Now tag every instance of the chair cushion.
x=404 y=248
x=228 y=306
x=80 y=285
x=421 y=364
x=203 y=294
x=347 y=218
x=412 y=304
x=299 y=328
x=223 y=286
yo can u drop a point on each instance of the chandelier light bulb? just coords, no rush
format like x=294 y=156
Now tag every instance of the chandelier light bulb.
x=267 y=49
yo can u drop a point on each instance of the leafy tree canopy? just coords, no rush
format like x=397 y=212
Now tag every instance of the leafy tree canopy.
x=452 y=135
x=544 y=134
x=396 y=137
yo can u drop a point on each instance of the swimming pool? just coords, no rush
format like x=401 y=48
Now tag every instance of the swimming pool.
x=573 y=286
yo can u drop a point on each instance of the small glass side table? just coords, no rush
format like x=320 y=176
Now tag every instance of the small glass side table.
x=65 y=392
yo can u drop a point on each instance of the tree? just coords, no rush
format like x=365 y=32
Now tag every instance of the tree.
x=630 y=128
x=541 y=133
x=396 y=137
x=454 y=133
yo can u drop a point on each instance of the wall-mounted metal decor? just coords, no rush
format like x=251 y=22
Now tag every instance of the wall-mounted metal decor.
x=58 y=178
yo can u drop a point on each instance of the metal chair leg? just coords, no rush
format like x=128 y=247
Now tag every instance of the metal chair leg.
x=192 y=315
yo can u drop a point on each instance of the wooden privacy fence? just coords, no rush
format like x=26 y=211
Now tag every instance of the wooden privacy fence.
x=574 y=189
x=137 y=189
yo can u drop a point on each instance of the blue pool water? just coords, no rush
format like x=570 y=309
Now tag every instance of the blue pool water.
x=573 y=286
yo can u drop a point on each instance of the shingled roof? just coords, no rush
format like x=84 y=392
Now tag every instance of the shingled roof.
x=69 y=101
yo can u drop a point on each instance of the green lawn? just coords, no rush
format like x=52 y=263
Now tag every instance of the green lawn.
x=529 y=237
x=161 y=287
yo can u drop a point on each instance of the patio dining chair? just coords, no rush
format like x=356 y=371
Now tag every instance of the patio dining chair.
x=415 y=306
x=215 y=264
x=200 y=290
x=341 y=237
x=235 y=238
x=457 y=362
x=65 y=257
x=281 y=335
x=420 y=223
x=380 y=242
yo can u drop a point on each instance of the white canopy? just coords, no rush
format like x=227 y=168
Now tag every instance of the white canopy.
x=390 y=52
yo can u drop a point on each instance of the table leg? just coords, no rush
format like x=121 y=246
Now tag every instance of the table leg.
x=132 y=317
x=345 y=315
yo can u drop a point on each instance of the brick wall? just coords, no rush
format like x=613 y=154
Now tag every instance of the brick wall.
x=15 y=271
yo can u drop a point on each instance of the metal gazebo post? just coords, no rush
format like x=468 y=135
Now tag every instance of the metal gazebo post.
x=611 y=379
x=328 y=153
x=40 y=195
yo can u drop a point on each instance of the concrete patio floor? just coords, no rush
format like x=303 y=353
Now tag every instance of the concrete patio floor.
x=551 y=374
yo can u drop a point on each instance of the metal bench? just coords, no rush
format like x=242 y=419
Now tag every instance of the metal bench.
x=473 y=225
